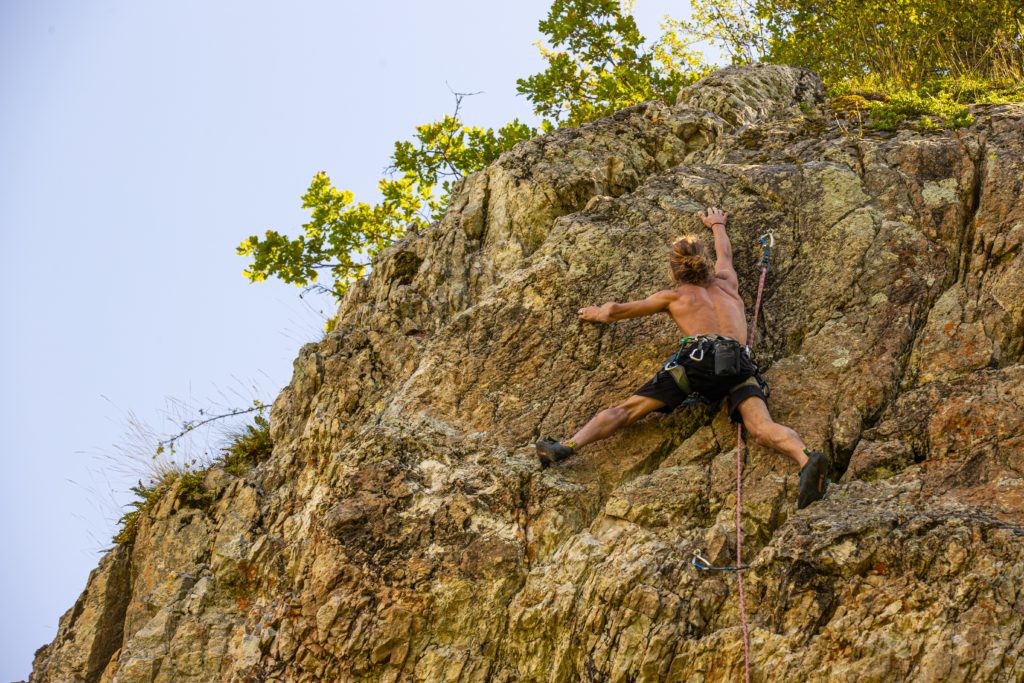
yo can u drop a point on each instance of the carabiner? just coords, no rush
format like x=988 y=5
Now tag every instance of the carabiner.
x=767 y=241
x=700 y=562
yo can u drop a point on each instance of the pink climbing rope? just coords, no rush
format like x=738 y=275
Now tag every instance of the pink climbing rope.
x=739 y=476
x=757 y=304
x=739 y=553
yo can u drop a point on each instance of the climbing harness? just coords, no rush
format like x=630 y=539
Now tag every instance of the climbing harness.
x=767 y=242
x=674 y=367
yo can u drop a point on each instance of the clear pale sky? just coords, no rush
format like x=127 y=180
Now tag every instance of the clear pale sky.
x=140 y=142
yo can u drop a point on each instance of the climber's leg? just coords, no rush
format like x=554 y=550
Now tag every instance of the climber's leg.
x=660 y=394
x=600 y=426
x=765 y=431
x=612 y=419
x=758 y=422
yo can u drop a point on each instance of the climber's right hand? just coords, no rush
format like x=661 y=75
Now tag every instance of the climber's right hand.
x=713 y=216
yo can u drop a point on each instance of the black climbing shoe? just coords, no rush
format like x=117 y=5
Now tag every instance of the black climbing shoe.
x=551 y=451
x=813 y=479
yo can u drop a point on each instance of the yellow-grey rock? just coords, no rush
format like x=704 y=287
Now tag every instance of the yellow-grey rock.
x=402 y=530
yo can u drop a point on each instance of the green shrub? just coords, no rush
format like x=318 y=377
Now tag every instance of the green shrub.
x=191 y=489
x=938 y=103
x=976 y=90
x=146 y=499
x=907 y=43
x=906 y=105
x=247 y=447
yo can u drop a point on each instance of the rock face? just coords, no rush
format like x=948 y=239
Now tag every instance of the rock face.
x=402 y=530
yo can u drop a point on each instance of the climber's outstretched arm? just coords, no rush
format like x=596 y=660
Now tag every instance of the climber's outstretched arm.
x=611 y=311
x=715 y=219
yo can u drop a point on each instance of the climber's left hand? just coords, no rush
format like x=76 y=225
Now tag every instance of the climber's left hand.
x=595 y=314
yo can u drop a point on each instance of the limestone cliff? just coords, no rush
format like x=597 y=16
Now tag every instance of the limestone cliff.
x=403 y=531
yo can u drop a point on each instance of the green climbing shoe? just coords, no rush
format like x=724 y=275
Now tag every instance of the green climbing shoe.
x=551 y=451
x=813 y=479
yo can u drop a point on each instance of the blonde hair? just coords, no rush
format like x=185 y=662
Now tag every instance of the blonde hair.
x=689 y=261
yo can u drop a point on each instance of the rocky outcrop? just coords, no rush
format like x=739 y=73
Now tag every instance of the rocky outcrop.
x=402 y=529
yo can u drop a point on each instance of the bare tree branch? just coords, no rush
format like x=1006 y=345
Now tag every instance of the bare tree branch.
x=189 y=425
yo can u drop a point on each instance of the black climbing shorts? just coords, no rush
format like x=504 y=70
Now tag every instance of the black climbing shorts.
x=705 y=385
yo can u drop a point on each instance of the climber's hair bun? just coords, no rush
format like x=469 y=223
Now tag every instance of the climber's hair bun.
x=688 y=259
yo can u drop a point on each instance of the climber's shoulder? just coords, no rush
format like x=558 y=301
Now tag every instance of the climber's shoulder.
x=726 y=279
x=660 y=301
x=665 y=295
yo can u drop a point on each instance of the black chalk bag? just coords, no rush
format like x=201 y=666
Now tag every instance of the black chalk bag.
x=728 y=357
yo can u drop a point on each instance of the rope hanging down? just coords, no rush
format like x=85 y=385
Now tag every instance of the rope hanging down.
x=767 y=242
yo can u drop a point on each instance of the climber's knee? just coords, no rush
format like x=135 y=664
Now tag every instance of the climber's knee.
x=635 y=407
x=616 y=415
x=757 y=420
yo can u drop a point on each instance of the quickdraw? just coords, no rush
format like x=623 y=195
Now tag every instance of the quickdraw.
x=767 y=241
x=703 y=564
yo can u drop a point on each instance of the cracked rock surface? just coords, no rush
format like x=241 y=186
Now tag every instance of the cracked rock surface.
x=403 y=531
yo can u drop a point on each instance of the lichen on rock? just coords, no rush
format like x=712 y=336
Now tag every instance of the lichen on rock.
x=402 y=530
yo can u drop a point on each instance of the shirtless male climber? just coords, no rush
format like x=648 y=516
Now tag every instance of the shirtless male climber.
x=713 y=361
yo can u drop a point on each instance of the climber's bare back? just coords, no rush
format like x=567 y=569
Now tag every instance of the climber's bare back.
x=714 y=309
x=711 y=308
